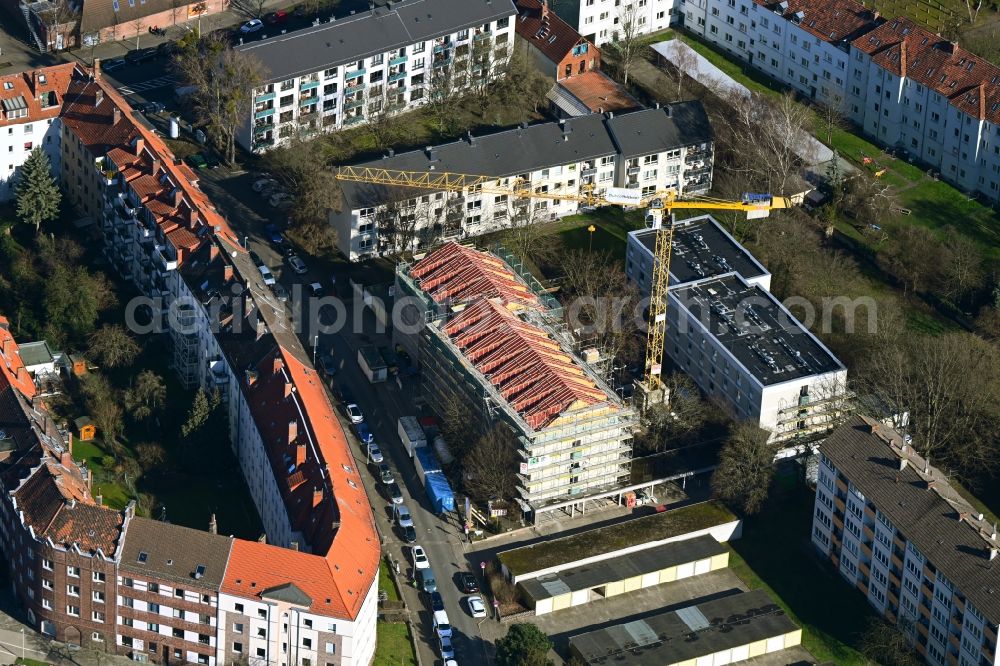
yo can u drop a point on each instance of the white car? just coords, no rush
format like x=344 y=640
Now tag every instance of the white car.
x=375 y=453
x=420 y=560
x=264 y=184
x=476 y=606
x=355 y=413
x=297 y=265
x=450 y=662
x=447 y=650
x=441 y=624
x=252 y=25
x=266 y=273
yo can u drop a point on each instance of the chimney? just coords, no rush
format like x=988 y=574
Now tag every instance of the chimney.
x=288 y=389
x=95 y=71
x=300 y=454
x=930 y=486
x=178 y=197
x=962 y=515
x=993 y=554
x=213 y=525
x=902 y=464
x=293 y=430
x=99 y=499
x=611 y=115
x=140 y=143
x=277 y=365
x=431 y=153
x=294 y=545
x=927 y=464
x=98 y=97
x=317 y=496
x=227 y=272
x=34 y=83
x=66 y=459
x=8 y=345
x=155 y=165
x=545 y=10
x=192 y=217
x=876 y=15
x=116 y=115
x=213 y=252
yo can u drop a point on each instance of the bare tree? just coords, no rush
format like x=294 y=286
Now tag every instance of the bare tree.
x=305 y=169
x=519 y=85
x=887 y=645
x=137 y=25
x=490 y=467
x=104 y=405
x=147 y=395
x=224 y=81
x=525 y=237
x=669 y=425
x=743 y=477
x=58 y=15
x=442 y=95
x=963 y=267
x=973 y=7
x=627 y=43
x=684 y=60
x=381 y=123
x=916 y=256
x=868 y=199
x=831 y=115
x=251 y=9
x=113 y=346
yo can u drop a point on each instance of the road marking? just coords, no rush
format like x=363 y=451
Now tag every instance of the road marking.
x=159 y=82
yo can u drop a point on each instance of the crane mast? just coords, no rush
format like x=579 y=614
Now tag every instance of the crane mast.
x=659 y=215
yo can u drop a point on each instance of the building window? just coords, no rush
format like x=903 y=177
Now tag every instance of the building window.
x=238 y=648
x=97 y=576
x=73 y=610
x=239 y=607
x=47 y=564
x=73 y=572
x=330 y=648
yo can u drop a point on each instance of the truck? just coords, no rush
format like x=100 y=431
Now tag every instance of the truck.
x=426 y=463
x=411 y=434
x=371 y=363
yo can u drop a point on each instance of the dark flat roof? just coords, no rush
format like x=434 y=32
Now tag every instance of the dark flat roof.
x=702 y=248
x=920 y=514
x=756 y=329
x=369 y=33
x=624 y=566
x=170 y=552
x=644 y=132
x=686 y=634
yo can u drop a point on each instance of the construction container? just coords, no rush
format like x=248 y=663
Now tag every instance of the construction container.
x=411 y=434
x=439 y=493
x=426 y=463
x=372 y=364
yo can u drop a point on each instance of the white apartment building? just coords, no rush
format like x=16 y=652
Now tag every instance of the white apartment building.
x=803 y=43
x=30 y=103
x=601 y=21
x=652 y=150
x=895 y=529
x=386 y=60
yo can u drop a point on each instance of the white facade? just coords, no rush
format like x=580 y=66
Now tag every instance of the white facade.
x=16 y=143
x=873 y=555
x=397 y=80
x=600 y=21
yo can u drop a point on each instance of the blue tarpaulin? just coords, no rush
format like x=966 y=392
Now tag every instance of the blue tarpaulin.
x=439 y=493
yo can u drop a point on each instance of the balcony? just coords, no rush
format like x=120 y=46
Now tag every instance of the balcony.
x=397 y=60
x=442 y=47
x=588 y=171
x=354 y=120
x=442 y=61
x=398 y=76
x=266 y=97
x=353 y=104
x=165 y=262
x=309 y=85
x=482 y=34
x=263 y=144
x=306 y=101
x=632 y=170
x=357 y=87
x=263 y=113
x=355 y=74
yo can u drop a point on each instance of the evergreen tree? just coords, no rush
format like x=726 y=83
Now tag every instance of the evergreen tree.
x=524 y=645
x=198 y=415
x=38 y=196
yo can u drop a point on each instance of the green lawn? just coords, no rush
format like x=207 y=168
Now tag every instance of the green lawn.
x=386 y=583
x=114 y=494
x=775 y=554
x=393 y=646
x=30 y=662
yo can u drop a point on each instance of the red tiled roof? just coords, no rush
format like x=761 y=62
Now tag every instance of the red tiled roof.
x=459 y=274
x=529 y=369
x=97 y=114
x=28 y=86
x=831 y=20
x=11 y=365
x=598 y=92
x=542 y=28
x=323 y=495
x=904 y=48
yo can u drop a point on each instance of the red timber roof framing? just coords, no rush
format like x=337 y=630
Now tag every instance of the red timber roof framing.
x=460 y=274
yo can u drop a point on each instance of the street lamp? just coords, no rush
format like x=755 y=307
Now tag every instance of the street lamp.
x=591 y=229
x=23 y=650
x=315 y=347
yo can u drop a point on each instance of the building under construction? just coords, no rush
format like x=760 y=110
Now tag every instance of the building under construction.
x=492 y=341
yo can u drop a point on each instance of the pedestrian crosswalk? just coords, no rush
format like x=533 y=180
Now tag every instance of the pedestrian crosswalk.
x=152 y=84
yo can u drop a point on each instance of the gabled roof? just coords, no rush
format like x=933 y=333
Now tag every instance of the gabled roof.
x=832 y=21
x=11 y=366
x=528 y=368
x=175 y=553
x=458 y=274
x=289 y=592
x=660 y=129
x=39 y=92
x=541 y=27
x=596 y=92
x=970 y=83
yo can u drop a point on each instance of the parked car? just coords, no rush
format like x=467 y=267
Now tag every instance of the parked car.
x=364 y=433
x=167 y=49
x=354 y=412
x=316 y=289
x=328 y=365
x=151 y=107
x=401 y=514
x=267 y=275
x=447 y=650
x=409 y=534
x=437 y=602
x=375 y=453
x=264 y=184
x=476 y=606
x=280 y=292
x=297 y=265
x=252 y=26
x=273 y=234
x=441 y=624
x=196 y=161
x=112 y=64
x=385 y=473
x=419 y=558
x=257 y=261
x=426 y=580
x=274 y=18
x=468 y=583
x=136 y=56
x=395 y=494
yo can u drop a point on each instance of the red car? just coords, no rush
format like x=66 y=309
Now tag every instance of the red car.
x=277 y=17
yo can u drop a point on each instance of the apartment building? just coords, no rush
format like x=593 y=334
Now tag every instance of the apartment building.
x=650 y=150
x=387 y=60
x=803 y=43
x=492 y=342
x=602 y=21
x=30 y=103
x=897 y=530
x=169 y=594
x=556 y=48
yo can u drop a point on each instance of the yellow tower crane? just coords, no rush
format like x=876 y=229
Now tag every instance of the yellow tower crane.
x=657 y=204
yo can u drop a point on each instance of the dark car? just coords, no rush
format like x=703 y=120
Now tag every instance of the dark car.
x=273 y=234
x=167 y=49
x=135 y=56
x=257 y=261
x=196 y=161
x=274 y=18
x=112 y=64
x=468 y=583
x=395 y=493
x=151 y=107
x=437 y=603
x=409 y=534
